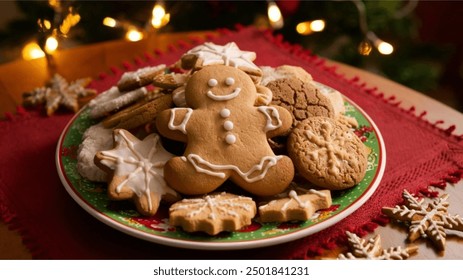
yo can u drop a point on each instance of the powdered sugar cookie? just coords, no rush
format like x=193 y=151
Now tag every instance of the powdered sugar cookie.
x=334 y=96
x=95 y=138
x=213 y=213
x=270 y=74
x=136 y=170
x=141 y=77
x=327 y=153
x=113 y=100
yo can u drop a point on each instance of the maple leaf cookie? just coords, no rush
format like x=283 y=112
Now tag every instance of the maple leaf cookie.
x=295 y=206
x=136 y=168
x=213 y=213
x=327 y=153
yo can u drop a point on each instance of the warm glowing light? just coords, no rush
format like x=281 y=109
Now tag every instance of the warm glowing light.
x=51 y=44
x=46 y=23
x=384 y=48
x=133 y=35
x=303 y=28
x=274 y=15
x=365 y=48
x=317 y=25
x=108 y=21
x=308 y=27
x=158 y=11
x=32 y=51
x=68 y=22
x=54 y=3
x=159 y=18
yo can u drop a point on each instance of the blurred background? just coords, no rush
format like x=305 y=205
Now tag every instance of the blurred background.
x=416 y=43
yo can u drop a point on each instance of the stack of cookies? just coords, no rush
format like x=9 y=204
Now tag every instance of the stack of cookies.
x=222 y=141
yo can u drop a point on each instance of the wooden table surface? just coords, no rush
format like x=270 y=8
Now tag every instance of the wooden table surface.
x=88 y=61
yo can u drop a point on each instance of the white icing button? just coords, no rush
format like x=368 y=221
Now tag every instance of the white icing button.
x=230 y=139
x=212 y=82
x=225 y=113
x=228 y=125
x=229 y=81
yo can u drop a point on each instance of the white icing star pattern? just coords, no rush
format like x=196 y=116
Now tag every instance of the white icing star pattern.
x=142 y=163
x=229 y=55
x=372 y=250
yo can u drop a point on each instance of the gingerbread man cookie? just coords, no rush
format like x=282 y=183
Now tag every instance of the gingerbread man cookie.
x=226 y=136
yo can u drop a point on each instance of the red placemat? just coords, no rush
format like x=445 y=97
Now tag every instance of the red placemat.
x=34 y=202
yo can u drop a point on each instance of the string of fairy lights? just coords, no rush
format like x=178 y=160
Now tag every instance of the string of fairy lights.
x=51 y=33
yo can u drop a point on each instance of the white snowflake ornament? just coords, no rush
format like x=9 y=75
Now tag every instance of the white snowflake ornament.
x=372 y=250
x=426 y=219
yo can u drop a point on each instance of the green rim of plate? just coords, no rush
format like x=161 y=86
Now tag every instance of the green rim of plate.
x=122 y=216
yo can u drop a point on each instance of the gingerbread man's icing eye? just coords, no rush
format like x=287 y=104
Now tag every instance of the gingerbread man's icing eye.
x=229 y=81
x=212 y=82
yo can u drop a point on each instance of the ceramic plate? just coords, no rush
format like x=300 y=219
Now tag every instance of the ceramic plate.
x=121 y=215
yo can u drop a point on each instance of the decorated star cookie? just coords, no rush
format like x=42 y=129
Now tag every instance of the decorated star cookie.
x=372 y=249
x=229 y=55
x=59 y=92
x=213 y=213
x=294 y=206
x=426 y=219
x=137 y=173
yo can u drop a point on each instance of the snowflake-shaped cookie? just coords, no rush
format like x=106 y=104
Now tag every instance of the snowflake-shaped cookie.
x=294 y=206
x=229 y=54
x=213 y=213
x=426 y=220
x=59 y=92
x=372 y=250
x=138 y=171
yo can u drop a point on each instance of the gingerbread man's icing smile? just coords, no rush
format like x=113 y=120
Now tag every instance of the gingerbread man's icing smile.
x=229 y=82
